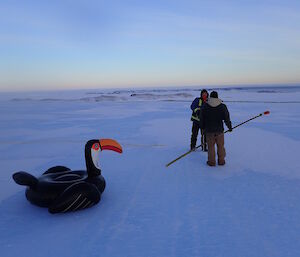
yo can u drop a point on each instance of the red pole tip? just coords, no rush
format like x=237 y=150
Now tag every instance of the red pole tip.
x=266 y=112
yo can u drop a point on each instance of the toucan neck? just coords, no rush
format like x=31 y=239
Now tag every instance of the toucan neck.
x=92 y=170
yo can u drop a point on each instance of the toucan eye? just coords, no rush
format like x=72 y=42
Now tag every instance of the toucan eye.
x=96 y=146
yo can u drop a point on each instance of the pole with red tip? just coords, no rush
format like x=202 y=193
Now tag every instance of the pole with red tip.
x=259 y=115
x=185 y=154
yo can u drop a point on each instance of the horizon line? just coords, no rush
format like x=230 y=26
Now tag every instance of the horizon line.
x=209 y=86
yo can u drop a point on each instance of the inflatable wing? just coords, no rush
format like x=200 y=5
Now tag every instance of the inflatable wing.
x=78 y=196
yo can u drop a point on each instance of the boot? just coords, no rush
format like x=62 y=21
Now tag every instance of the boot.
x=193 y=146
x=221 y=162
x=211 y=163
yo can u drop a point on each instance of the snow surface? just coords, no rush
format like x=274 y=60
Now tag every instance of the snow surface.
x=249 y=207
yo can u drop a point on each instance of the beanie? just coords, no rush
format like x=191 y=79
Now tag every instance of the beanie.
x=214 y=94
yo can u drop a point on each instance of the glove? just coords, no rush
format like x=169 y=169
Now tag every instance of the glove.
x=230 y=129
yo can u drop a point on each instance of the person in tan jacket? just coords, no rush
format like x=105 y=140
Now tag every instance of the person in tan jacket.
x=213 y=114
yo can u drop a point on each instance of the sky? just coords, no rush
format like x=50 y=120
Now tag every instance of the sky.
x=69 y=44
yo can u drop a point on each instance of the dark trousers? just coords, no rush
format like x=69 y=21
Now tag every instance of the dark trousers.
x=195 y=131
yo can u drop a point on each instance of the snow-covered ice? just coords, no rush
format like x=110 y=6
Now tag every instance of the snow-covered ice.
x=249 y=207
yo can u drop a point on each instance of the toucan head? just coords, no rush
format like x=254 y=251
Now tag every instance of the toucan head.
x=92 y=149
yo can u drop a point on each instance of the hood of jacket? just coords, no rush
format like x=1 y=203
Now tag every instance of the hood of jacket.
x=214 y=102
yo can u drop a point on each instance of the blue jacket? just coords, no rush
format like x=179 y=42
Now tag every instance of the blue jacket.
x=196 y=107
x=195 y=103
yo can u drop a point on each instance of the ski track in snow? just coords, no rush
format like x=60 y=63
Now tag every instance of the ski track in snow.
x=249 y=207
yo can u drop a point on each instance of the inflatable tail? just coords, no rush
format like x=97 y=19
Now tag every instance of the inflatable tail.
x=25 y=179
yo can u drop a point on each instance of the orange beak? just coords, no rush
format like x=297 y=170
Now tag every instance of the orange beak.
x=110 y=144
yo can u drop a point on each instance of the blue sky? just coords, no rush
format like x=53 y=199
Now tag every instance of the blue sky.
x=88 y=44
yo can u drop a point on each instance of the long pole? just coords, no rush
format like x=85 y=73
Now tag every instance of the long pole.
x=185 y=154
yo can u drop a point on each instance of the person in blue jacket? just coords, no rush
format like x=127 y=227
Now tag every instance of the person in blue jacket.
x=196 y=107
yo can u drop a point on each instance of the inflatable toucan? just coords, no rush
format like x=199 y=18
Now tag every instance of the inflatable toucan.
x=61 y=189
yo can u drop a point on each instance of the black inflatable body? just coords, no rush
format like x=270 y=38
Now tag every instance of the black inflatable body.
x=61 y=189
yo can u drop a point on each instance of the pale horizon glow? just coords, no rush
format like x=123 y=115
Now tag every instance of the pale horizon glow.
x=120 y=44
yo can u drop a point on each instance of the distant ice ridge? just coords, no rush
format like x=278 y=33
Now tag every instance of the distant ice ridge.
x=274 y=94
